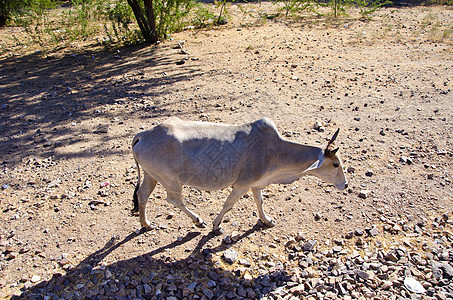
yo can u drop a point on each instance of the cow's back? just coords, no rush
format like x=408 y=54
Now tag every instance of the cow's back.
x=206 y=155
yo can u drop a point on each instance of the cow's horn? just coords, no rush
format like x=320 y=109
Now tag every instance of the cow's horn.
x=334 y=137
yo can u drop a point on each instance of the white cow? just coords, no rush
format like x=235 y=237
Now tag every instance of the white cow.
x=211 y=156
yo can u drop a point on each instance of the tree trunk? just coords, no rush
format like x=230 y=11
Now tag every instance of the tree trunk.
x=146 y=22
x=151 y=20
x=3 y=13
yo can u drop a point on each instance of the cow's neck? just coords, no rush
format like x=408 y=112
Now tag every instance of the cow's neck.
x=295 y=157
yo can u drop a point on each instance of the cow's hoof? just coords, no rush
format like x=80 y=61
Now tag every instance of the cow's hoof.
x=201 y=225
x=270 y=223
x=267 y=223
x=145 y=229
x=146 y=224
x=218 y=231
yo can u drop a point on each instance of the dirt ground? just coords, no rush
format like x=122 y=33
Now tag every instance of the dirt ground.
x=68 y=119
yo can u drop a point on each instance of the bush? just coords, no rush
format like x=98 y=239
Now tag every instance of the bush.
x=158 y=18
x=9 y=8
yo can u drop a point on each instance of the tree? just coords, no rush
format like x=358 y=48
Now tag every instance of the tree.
x=6 y=7
x=144 y=13
x=158 y=18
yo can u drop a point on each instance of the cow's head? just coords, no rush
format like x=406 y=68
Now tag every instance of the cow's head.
x=331 y=168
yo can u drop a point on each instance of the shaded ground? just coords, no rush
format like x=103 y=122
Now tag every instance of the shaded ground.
x=68 y=118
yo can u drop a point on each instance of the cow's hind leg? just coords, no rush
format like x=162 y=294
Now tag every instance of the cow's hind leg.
x=174 y=196
x=257 y=195
x=146 y=188
x=235 y=195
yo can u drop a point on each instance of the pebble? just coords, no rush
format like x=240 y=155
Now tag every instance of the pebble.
x=319 y=126
x=309 y=245
x=413 y=285
x=343 y=269
x=364 y=194
x=230 y=256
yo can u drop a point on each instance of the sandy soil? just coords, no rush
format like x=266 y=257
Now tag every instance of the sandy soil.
x=68 y=119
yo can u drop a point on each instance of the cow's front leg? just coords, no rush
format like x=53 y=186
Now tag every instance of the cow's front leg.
x=257 y=195
x=235 y=195
x=174 y=196
x=147 y=187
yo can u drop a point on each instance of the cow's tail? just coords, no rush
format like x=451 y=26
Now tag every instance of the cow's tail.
x=135 y=197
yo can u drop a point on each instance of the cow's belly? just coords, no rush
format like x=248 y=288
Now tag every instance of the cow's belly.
x=208 y=175
x=210 y=165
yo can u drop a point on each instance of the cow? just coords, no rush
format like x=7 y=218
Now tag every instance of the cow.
x=210 y=156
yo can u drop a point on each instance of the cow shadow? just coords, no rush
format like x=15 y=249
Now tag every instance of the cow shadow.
x=154 y=275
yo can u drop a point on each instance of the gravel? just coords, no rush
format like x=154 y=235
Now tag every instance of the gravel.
x=416 y=263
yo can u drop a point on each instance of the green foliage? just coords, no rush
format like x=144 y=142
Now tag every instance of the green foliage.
x=170 y=15
x=222 y=17
x=367 y=7
x=120 y=15
x=158 y=18
x=295 y=6
x=202 y=16
x=80 y=18
x=53 y=22
x=338 y=7
x=440 y=2
x=56 y=22
x=33 y=16
x=11 y=8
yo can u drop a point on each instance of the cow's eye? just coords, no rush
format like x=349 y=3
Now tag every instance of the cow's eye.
x=335 y=165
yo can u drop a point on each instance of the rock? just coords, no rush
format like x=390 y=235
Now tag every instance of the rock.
x=211 y=284
x=392 y=256
x=369 y=173
x=208 y=293
x=413 y=285
x=319 y=126
x=309 y=245
x=244 y=262
x=337 y=249
x=63 y=262
x=364 y=194
x=406 y=160
x=297 y=290
x=102 y=128
x=290 y=243
x=349 y=235
x=235 y=236
x=35 y=279
x=444 y=270
x=148 y=290
x=358 y=232
x=230 y=256
x=317 y=217
x=374 y=231
x=227 y=239
x=386 y=284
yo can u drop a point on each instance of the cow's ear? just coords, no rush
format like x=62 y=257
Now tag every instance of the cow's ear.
x=331 y=153
x=315 y=165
